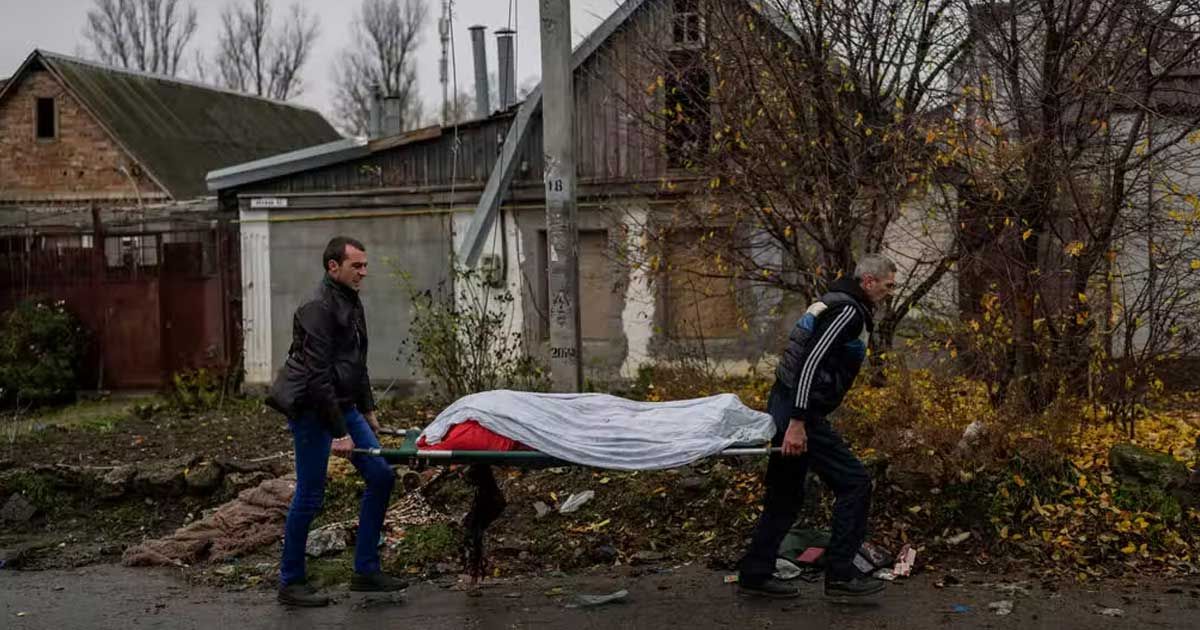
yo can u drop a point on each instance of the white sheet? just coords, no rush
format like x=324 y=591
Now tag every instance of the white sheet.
x=609 y=432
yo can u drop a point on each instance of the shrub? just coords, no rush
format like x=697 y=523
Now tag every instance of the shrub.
x=196 y=390
x=462 y=339
x=41 y=350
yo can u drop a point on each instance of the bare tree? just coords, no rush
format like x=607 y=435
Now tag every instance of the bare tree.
x=812 y=126
x=256 y=58
x=461 y=109
x=383 y=53
x=1081 y=171
x=148 y=35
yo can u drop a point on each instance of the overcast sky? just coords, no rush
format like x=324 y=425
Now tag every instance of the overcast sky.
x=57 y=25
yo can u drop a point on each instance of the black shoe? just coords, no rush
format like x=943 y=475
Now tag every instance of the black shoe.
x=859 y=586
x=376 y=582
x=301 y=594
x=770 y=587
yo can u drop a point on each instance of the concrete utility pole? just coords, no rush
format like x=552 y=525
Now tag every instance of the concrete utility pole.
x=444 y=62
x=558 y=133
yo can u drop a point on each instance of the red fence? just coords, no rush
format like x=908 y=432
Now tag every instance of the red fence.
x=153 y=303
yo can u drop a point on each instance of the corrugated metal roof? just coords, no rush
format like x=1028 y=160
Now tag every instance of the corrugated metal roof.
x=179 y=131
x=287 y=163
x=312 y=157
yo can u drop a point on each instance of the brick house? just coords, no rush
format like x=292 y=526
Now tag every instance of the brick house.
x=103 y=204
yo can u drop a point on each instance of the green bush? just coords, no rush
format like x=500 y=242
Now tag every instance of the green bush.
x=461 y=337
x=41 y=350
x=195 y=390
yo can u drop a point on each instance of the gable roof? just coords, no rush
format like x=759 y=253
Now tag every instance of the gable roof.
x=177 y=130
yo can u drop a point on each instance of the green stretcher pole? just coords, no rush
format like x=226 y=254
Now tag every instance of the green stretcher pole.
x=408 y=452
x=512 y=457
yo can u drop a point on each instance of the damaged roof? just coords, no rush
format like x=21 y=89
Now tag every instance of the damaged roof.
x=178 y=130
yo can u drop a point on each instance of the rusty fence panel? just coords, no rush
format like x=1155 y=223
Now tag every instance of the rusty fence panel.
x=154 y=303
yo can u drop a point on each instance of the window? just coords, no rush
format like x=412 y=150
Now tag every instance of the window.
x=131 y=252
x=599 y=300
x=600 y=296
x=688 y=123
x=47 y=127
x=685 y=27
x=701 y=298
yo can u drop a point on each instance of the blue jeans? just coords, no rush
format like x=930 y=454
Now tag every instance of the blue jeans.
x=313 y=444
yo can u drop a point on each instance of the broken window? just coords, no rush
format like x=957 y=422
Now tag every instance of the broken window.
x=47 y=127
x=685 y=27
x=688 y=123
x=131 y=252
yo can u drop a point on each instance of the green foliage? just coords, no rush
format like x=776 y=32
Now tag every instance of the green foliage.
x=41 y=349
x=39 y=489
x=1136 y=498
x=196 y=390
x=326 y=572
x=427 y=544
x=462 y=339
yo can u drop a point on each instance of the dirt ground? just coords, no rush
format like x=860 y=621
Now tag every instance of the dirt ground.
x=667 y=537
x=120 y=431
x=105 y=596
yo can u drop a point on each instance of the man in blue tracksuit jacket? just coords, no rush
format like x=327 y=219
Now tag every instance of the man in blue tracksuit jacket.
x=824 y=352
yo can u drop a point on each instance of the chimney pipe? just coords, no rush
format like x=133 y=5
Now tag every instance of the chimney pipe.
x=479 y=48
x=507 y=62
x=375 y=112
x=391 y=117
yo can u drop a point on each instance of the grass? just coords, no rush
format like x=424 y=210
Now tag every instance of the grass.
x=342 y=497
x=37 y=488
x=325 y=572
x=424 y=545
x=98 y=415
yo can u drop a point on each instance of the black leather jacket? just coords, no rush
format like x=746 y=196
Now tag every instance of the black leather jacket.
x=326 y=366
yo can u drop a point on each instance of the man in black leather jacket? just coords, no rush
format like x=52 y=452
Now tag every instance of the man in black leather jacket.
x=325 y=391
x=818 y=366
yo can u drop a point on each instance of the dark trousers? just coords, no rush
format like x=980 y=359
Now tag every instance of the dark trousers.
x=831 y=459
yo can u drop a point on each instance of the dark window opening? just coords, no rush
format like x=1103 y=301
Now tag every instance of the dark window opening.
x=685 y=27
x=688 y=115
x=46 y=126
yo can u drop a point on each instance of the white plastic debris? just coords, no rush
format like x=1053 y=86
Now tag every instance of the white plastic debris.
x=786 y=570
x=958 y=538
x=1002 y=607
x=576 y=501
x=597 y=600
x=904 y=561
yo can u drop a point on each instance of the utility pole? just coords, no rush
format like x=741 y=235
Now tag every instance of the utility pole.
x=444 y=62
x=562 y=227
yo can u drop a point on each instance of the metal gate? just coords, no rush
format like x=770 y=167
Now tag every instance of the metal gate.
x=153 y=302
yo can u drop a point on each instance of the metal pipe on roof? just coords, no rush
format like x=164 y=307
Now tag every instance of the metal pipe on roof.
x=393 y=122
x=507 y=62
x=482 y=93
x=375 y=112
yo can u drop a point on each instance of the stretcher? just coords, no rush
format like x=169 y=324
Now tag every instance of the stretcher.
x=409 y=453
x=489 y=501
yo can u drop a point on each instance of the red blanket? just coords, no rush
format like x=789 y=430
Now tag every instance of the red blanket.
x=471 y=436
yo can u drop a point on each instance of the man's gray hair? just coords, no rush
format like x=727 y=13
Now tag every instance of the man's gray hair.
x=874 y=265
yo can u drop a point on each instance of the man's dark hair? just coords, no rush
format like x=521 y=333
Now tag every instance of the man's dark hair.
x=336 y=250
